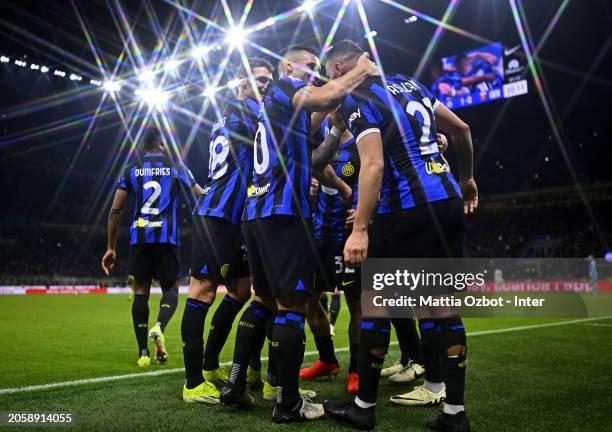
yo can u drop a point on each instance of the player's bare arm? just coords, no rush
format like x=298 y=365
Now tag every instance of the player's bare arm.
x=114 y=217
x=370 y=180
x=197 y=190
x=461 y=138
x=327 y=177
x=338 y=133
x=330 y=95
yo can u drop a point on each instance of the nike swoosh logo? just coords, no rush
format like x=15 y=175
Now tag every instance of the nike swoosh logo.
x=511 y=50
x=347 y=283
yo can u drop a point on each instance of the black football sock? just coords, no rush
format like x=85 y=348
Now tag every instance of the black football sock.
x=354 y=353
x=453 y=334
x=408 y=339
x=192 y=334
x=334 y=309
x=325 y=346
x=140 y=318
x=271 y=376
x=289 y=340
x=374 y=336
x=220 y=327
x=255 y=362
x=167 y=307
x=432 y=351
x=251 y=329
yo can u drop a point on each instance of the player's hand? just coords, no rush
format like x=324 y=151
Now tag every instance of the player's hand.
x=367 y=65
x=470 y=195
x=335 y=118
x=108 y=261
x=314 y=187
x=350 y=217
x=356 y=248
x=346 y=193
x=442 y=142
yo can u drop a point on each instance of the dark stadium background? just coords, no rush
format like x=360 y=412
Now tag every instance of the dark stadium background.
x=57 y=187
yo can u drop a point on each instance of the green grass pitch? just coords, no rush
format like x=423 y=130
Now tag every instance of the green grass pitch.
x=543 y=378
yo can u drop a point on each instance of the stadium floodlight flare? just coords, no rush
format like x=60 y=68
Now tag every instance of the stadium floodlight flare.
x=308 y=5
x=236 y=36
x=4 y=59
x=233 y=83
x=34 y=66
x=146 y=76
x=44 y=69
x=370 y=34
x=172 y=65
x=209 y=92
x=153 y=97
x=111 y=86
x=200 y=51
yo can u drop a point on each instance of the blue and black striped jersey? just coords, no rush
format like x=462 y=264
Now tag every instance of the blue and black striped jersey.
x=402 y=110
x=154 y=181
x=331 y=212
x=282 y=159
x=231 y=161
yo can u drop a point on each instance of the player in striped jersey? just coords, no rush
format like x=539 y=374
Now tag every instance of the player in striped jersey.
x=419 y=213
x=277 y=230
x=155 y=183
x=218 y=254
x=330 y=227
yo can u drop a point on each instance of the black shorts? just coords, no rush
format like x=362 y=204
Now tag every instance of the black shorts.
x=217 y=250
x=331 y=272
x=281 y=255
x=433 y=230
x=161 y=261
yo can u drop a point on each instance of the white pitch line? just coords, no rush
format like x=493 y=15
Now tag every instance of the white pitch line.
x=306 y=354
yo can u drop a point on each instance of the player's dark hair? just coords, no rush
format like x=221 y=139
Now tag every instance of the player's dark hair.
x=345 y=49
x=308 y=48
x=151 y=137
x=255 y=62
x=461 y=57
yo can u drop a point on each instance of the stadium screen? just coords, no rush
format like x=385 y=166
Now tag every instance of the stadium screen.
x=480 y=75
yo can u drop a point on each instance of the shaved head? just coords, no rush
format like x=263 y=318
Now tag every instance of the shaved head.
x=301 y=62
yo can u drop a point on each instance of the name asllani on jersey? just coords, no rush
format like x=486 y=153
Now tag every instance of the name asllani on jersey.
x=402 y=87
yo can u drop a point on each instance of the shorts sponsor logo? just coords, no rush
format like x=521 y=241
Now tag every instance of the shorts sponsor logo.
x=258 y=190
x=143 y=223
x=346 y=283
x=348 y=169
x=355 y=115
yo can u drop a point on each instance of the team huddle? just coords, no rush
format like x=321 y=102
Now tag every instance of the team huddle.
x=305 y=182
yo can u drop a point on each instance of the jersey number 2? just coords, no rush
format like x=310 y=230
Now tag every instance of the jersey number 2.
x=146 y=208
x=427 y=143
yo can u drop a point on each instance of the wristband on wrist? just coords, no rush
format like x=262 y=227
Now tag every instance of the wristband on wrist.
x=337 y=133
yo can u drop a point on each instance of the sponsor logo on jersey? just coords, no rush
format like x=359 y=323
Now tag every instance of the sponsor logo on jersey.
x=143 y=223
x=355 y=115
x=258 y=190
x=348 y=169
x=434 y=167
